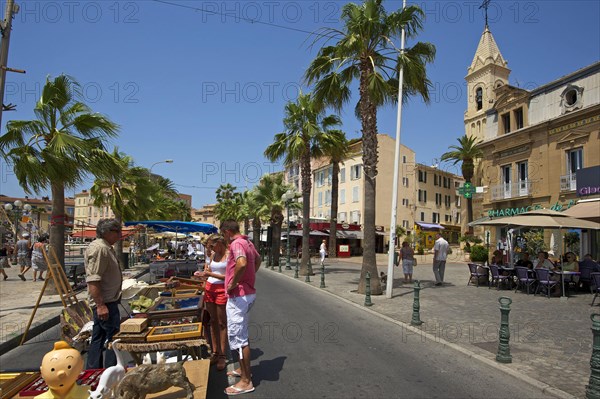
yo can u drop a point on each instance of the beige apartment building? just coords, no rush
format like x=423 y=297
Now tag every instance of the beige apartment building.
x=414 y=205
x=437 y=203
x=86 y=214
x=541 y=147
x=206 y=214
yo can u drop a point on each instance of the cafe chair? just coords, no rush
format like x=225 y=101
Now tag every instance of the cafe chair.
x=477 y=275
x=586 y=278
x=499 y=278
x=544 y=280
x=524 y=279
x=596 y=284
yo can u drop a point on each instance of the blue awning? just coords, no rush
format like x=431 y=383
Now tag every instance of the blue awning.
x=430 y=226
x=176 y=226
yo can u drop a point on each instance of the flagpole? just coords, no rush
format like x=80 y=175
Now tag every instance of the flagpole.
x=391 y=250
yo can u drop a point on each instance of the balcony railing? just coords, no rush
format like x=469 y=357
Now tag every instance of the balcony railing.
x=568 y=182
x=512 y=190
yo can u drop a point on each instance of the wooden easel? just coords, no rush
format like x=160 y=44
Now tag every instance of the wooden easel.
x=57 y=274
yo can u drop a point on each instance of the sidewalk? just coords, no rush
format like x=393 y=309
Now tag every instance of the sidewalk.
x=18 y=298
x=550 y=339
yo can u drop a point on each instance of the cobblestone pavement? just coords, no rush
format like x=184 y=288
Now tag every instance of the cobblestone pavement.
x=550 y=339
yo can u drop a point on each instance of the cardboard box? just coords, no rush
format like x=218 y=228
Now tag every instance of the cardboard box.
x=135 y=325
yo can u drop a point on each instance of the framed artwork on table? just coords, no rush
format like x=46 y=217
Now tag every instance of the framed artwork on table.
x=175 y=332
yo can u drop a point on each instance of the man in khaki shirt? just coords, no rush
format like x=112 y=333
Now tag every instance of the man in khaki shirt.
x=104 y=280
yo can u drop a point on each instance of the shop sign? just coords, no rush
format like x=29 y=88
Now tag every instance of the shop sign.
x=345 y=226
x=495 y=213
x=379 y=228
x=588 y=181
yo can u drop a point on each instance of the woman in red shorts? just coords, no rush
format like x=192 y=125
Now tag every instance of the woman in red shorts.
x=215 y=297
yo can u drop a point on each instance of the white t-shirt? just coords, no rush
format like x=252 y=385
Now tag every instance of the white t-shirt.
x=219 y=268
x=441 y=246
x=323 y=248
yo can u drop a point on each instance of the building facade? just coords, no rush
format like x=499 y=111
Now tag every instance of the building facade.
x=535 y=142
x=37 y=220
x=436 y=203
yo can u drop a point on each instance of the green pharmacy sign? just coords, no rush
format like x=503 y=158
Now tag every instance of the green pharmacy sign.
x=495 y=213
x=467 y=190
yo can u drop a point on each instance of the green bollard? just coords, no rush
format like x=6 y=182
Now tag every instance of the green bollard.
x=592 y=391
x=416 y=317
x=504 y=355
x=368 y=290
x=309 y=268
x=296 y=271
x=280 y=265
x=322 y=277
x=307 y=279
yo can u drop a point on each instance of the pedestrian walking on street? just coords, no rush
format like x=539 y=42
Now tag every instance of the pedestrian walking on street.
x=4 y=260
x=408 y=261
x=440 y=253
x=242 y=264
x=23 y=248
x=38 y=262
x=104 y=280
x=323 y=251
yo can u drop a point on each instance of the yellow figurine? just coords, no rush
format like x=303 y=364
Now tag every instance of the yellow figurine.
x=60 y=369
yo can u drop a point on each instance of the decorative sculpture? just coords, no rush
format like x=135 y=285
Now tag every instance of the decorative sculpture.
x=60 y=369
x=110 y=378
x=152 y=378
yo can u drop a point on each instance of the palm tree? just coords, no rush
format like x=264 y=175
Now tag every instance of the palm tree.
x=364 y=51
x=56 y=149
x=337 y=147
x=467 y=152
x=306 y=126
x=228 y=203
x=268 y=193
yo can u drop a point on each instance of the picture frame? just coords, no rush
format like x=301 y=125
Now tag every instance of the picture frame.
x=175 y=332
x=185 y=292
x=132 y=337
x=166 y=304
x=166 y=320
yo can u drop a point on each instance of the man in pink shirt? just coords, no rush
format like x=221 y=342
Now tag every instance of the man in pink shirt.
x=242 y=264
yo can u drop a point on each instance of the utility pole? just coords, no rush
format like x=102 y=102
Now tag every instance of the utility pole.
x=5 y=28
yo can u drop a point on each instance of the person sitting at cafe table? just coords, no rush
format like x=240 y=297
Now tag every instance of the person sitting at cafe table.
x=525 y=261
x=570 y=264
x=542 y=261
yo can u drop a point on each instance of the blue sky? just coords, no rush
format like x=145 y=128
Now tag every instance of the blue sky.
x=208 y=88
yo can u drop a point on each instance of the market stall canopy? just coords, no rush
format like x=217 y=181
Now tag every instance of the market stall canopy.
x=588 y=210
x=544 y=218
x=177 y=226
x=91 y=234
x=153 y=247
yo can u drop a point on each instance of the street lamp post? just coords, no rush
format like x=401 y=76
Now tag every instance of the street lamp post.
x=17 y=209
x=159 y=162
x=288 y=197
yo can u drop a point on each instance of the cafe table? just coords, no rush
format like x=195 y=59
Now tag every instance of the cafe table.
x=562 y=279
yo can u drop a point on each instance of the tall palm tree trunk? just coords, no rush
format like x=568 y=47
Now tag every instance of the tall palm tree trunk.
x=306 y=188
x=368 y=112
x=276 y=220
x=119 y=246
x=57 y=230
x=256 y=233
x=334 y=209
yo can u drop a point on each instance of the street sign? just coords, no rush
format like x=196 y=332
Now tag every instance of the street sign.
x=467 y=190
